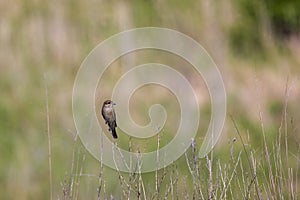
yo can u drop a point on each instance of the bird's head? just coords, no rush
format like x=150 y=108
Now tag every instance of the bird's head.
x=108 y=103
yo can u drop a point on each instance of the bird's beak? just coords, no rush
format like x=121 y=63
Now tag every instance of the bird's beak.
x=114 y=103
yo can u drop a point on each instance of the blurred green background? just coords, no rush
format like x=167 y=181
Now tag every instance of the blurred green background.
x=256 y=45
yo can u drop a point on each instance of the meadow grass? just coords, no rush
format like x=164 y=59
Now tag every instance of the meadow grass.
x=260 y=159
x=238 y=171
x=243 y=169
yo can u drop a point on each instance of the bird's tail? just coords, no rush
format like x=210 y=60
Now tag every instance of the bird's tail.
x=114 y=133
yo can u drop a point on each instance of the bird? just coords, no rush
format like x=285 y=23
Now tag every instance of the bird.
x=109 y=115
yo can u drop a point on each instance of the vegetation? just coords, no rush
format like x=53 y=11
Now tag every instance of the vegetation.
x=256 y=46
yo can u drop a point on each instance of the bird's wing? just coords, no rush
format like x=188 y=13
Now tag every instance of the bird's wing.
x=102 y=112
x=115 y=117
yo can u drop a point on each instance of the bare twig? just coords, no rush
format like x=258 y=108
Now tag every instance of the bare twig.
x=233 y=173
x=210 y=181
x=78 y=179
x=121 y=177
x=49 y=138
x=248 y=159
x=101 y=168
x=157 y=162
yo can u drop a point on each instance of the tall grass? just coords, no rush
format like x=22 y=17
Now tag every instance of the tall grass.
x=242 y=172
x=37 y=159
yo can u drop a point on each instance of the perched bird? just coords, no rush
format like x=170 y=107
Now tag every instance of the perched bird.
x=109 y=116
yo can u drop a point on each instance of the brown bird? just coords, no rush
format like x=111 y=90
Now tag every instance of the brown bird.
x=109 y=116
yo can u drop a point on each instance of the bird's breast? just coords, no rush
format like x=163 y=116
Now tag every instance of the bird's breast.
x=108 y=113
